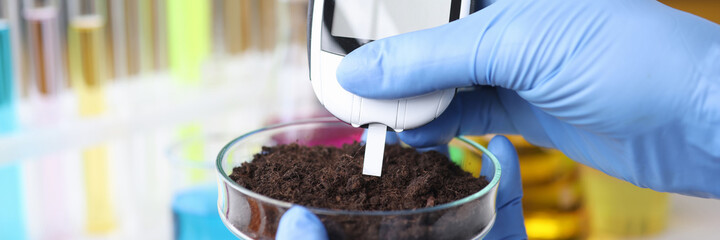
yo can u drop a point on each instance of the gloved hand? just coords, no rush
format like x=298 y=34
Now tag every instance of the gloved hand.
x=629 y=87
x=299 y=223
x=509 y=223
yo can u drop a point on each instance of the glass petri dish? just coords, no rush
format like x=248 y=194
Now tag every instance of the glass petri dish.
x=250 y=215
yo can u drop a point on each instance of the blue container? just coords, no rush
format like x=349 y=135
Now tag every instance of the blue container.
x=195 y=214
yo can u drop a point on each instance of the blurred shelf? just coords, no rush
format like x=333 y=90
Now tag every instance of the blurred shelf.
x=139 y=105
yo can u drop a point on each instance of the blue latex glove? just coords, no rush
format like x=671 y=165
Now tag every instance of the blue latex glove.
x=629 y=87
x=298 y=222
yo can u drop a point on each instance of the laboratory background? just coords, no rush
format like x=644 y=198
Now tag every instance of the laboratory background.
x=112 y=113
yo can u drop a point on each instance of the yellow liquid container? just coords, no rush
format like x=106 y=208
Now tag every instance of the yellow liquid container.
x=566 y=200
x=100 y=214
x=188 y=34
x=552 y=193
x=619 y=209
x=88 y=74
x=87 y=63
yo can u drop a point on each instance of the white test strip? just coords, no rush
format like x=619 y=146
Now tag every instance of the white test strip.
x=374 y=149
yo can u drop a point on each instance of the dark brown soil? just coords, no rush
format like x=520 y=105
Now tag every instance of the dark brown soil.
x=329 y=177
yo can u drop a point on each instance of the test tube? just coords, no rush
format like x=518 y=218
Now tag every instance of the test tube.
x=87 y=64
x=130 y=30
x=7 y=87
x=63 y=23
x=188 y=32
x=217 y=22
x=87 y=56
x=133 y=39
x=44 y=45
x=19 y=51
x=291 y=17
x=236 y=25
x=145 y=35
x=268 y=22
x=138 y=16
x=159 y=36
x=108 y=19
x=115 y=33
x=12 y=217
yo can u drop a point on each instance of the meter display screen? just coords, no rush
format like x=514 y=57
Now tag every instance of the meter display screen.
x=375 y=19
x=348 y=24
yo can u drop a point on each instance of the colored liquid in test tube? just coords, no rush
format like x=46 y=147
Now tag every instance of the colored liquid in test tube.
x=109 y=43
x=87 y=71
x=145 y=35
x=159 y=34
x=268 y=23
x=44 y=46
x=236 y=25
x=12 y=222
x=12 y=217
x=7 y=111
x=135 y=31
x=87 y=62
x=188 y=33
x=137 y=51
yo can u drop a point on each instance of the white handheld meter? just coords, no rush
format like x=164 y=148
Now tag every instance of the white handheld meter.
x=337 y=27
